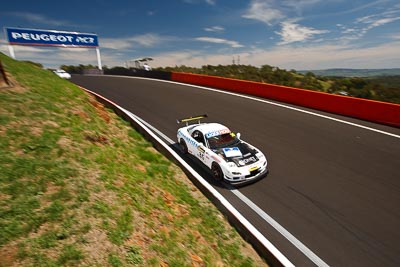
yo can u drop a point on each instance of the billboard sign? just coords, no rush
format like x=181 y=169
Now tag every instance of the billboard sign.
x=33 y=37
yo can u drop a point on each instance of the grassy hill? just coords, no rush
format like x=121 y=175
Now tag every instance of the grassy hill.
x=80 y=187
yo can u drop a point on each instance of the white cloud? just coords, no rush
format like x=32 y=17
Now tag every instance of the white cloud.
x=364 y=24
x=37 y=18
x=144 y=40
x=305 y=57
x=209 y=2
x=381 y=22
x=292 y=32
x=233 y=44
x=314 y=57
x=367 y=5
x=147 y=40
x=264 y=12
x=349 y=30
x=190 y=58
x=214 y=29
x=116 y=44
x=299 y=5
x=270 y=13
x=328 y=56
x=377 y=20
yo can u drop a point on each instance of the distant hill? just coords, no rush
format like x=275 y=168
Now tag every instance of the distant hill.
x=354 y=72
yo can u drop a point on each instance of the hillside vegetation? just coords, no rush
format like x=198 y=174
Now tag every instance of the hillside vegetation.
x=80 y=187
x=384 y=88
x=355 y=72
x=381 y=88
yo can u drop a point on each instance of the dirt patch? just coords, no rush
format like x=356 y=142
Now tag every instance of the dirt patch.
x=3 y=83
x=8 y=254
x=3 y=76
x=97 y=210
x=98 y=247
x=12 y=85
x=97 y=139
x=100 y=109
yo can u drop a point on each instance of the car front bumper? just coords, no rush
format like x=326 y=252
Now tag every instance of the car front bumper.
x=247 y=179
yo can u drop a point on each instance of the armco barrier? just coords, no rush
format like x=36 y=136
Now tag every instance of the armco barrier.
x=154 y=74
x=375 y=111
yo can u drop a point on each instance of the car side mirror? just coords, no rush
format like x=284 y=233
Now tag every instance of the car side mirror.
x=238 y=135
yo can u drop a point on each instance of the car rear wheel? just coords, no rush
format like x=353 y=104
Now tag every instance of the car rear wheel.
x=217 y=172
x=183 y=146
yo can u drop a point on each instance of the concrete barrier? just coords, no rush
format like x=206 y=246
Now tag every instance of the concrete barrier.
x=369 y=110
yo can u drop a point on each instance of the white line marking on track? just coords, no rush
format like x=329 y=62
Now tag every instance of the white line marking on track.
x=161 y=134
x=292 y=108
x=297 y=243
x=267 y=218
x=273 y=103
x=267 y=244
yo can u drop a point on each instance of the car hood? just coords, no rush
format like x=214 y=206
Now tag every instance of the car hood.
x=241 y=154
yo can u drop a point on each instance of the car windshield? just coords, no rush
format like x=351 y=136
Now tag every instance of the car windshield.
x=222 y=140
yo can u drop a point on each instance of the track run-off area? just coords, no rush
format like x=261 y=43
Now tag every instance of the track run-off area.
x=332 y=195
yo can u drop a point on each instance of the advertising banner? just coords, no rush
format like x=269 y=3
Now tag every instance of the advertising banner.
x=33 y=37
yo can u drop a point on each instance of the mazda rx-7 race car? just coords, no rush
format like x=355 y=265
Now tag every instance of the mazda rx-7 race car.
x=228 y=157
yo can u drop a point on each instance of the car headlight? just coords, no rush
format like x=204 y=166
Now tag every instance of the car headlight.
x=231 y=165
x=260 y=155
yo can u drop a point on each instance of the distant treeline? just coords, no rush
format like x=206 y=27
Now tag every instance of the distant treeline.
x=341 y=72
x=380 y=88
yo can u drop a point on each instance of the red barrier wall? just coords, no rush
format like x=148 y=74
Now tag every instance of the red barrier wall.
x=375 y=111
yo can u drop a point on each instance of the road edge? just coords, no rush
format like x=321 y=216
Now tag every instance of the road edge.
x=248 y=232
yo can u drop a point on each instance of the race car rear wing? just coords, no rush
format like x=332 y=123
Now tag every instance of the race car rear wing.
x=194 y=118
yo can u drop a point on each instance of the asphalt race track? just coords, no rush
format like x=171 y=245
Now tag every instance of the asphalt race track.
x=334 y=186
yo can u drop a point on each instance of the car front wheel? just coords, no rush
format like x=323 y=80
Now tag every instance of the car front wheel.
x=217 y=172
x=183 y=146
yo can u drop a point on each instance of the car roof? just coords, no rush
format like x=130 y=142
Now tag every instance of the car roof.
x=206 y=128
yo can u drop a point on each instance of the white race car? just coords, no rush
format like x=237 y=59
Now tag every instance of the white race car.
x=228 y=157
x=62 y=74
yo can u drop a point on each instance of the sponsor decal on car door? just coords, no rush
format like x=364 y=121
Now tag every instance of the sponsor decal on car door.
x=201 y=153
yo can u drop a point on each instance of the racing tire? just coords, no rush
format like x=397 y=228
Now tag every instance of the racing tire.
x=217 y=172
x=184 y=147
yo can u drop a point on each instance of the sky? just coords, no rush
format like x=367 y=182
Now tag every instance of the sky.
x=289 y=34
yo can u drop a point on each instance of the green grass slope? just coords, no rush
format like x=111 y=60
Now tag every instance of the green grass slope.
x=80 y=187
